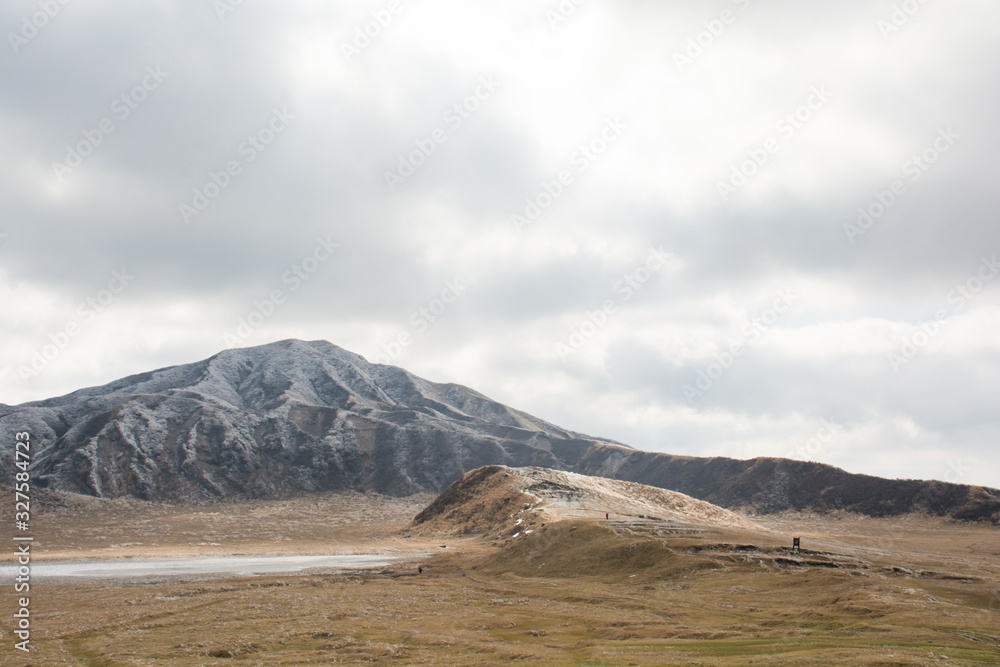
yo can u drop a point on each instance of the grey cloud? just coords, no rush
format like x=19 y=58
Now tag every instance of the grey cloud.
x=324 y=176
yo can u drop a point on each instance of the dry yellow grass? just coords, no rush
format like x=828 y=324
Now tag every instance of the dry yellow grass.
x=69 y=526
x=571 y=593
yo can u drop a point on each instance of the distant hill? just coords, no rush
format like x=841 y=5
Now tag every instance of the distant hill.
x=768 y=485
x=294 y=417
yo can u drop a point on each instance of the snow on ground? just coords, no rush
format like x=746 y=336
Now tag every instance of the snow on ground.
x=566 y=495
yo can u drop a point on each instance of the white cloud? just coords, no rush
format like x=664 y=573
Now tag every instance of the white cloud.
x=654 y=186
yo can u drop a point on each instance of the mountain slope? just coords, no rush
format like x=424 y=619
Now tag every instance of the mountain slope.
x=270 y=421
x=293 y=417
x=768 y=485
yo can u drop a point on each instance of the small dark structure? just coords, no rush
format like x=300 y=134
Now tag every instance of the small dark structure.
x=797 y=544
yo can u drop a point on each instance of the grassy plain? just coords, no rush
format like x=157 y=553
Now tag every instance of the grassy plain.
x=907 y=591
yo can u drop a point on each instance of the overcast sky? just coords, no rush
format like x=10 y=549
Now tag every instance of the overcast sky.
x=734 y=228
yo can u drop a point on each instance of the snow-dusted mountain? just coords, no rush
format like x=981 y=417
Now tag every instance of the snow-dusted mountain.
x=275 y=420
x=293 y=417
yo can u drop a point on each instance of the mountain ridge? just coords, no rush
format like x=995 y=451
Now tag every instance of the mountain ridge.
x=295 y=417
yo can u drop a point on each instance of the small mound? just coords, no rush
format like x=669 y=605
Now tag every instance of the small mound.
x=482 y=501
x=501 y=501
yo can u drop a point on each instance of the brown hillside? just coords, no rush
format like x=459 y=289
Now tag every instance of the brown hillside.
x=508 y=502
x=482 y=501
